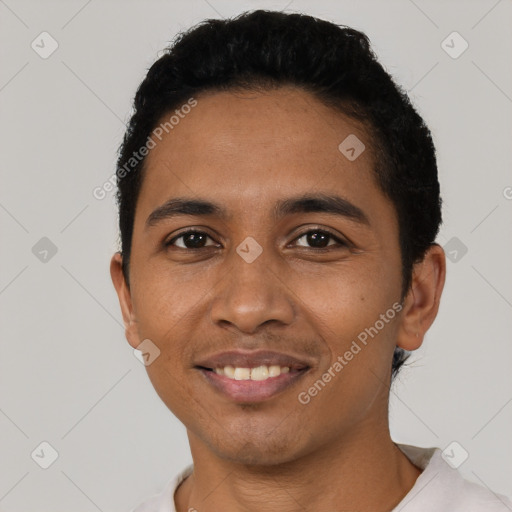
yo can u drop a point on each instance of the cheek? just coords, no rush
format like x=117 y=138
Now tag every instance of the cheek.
x=358 y=324
x=164 y=305
x=345 y=301
x=176 y=391
x=167 y=312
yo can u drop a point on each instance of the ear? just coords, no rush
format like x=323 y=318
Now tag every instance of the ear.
x=125 y=300
x=422 y=301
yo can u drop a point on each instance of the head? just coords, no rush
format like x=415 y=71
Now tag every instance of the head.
x=271 y=119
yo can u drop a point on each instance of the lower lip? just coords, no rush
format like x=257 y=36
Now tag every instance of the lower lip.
x=244 y=391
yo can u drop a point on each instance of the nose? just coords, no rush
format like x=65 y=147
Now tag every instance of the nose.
x=252 y=294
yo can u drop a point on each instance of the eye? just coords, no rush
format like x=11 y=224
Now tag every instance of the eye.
x=318 y=238
x=192 y=239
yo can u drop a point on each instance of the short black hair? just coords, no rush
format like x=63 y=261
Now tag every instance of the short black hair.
x=263 y=50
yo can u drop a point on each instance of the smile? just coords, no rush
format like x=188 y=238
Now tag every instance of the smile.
x=247 y=389
x=249 y=377
x=252 y=376
x=259 y=373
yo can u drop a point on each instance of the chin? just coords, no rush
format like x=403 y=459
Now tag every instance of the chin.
x=251 y=455
x=264 y=447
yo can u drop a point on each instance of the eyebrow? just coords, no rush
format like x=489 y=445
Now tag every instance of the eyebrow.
x=307 y=203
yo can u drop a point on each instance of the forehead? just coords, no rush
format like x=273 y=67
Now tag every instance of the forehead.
x=284 y=118
x=248 y=146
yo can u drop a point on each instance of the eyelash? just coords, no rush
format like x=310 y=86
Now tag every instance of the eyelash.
x=340 y=243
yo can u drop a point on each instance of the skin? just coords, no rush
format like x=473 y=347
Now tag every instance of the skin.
x=246 y=151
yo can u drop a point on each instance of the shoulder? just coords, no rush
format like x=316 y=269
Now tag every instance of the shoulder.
x=164 y=500
x=442 y=488
x=473 y=497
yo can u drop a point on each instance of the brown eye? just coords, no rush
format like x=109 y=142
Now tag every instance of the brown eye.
x=191 y=240
x=318 y=239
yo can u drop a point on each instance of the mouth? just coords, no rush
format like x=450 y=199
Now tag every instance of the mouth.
x=248 y=377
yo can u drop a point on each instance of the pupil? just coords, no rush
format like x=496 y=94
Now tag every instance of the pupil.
x=314 y=237
x=196 y=237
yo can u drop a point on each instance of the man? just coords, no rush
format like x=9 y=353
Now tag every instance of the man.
x=279 y=204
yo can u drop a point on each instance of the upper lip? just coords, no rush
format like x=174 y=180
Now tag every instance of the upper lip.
x=252 y=359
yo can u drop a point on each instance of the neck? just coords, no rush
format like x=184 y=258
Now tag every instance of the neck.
x=362 y=471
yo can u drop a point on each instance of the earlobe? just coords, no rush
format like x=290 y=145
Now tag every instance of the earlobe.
x=421 y=304
x=125 y=300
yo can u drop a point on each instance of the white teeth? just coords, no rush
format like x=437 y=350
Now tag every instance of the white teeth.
x=229 y=372
x=242 y=373
x=259 y=373
x=274 y=371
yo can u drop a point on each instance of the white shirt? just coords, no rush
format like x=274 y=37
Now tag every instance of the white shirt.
x=439 y=488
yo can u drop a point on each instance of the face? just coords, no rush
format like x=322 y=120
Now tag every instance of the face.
x=263 y=279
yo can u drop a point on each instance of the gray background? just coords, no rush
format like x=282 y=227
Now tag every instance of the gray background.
x=67 y=374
